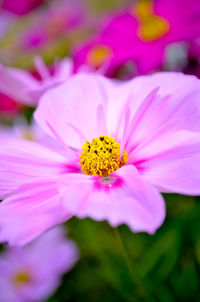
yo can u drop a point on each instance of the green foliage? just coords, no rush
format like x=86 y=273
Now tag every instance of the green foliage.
x=164 y=267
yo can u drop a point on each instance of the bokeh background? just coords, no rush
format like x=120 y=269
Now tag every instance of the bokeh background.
x=115 y=265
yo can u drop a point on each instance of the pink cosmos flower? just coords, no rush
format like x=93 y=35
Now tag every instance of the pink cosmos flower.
x=33 y=273
x=27 y=89
x=123 y=144
x=140 y=36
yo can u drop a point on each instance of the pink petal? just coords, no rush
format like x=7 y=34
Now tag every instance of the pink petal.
x=178 y=99
x=170 y=83
x=34 y=208
x=133 y=202
x=62 y=252
x=63 y=70
x=172 y=162
x=14 y=80
x=22 y=161
x=68 y=107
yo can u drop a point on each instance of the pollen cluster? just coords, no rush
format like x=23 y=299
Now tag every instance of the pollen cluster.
x=101 y=157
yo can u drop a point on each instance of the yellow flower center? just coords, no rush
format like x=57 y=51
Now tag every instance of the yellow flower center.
x=98 y=54
x=101 y=157
x=21 y=278
x=151 y=26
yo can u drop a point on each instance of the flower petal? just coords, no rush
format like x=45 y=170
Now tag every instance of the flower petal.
x=72 y=109
x=63 y=71
x=134 y=202
x=33 y=209
x=22 y=161
x=178 y=99
x=172 y=162
x=14 y=80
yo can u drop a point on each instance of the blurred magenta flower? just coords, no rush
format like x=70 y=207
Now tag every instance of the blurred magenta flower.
x=33 y=273
x=137 y=38
x=20 y=7
x=122 y=145
x=30 y=88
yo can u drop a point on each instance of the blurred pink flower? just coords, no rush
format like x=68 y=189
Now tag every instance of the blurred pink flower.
x=137 y=38
x=20 y=7
x=33 y=273
x=122 y=145
x=27 y=89
x=58 y=18
x=21 y=130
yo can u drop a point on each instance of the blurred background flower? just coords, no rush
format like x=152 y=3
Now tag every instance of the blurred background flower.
x=33 y=273
x=140 y=36
x=31 y=86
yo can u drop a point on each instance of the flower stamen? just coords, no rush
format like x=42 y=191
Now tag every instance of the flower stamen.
x=101 y=157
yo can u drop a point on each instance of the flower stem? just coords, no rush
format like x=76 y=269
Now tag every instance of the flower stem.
x=140 y=288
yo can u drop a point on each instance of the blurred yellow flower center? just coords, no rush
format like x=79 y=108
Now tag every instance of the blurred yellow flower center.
x=98 y=54
x=28 y=135
x=21 y=278
x=101 y=157
x=151 y=26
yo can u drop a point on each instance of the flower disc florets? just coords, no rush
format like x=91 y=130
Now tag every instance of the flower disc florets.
x=98 y=55
x=21 y=278
x=101 y=157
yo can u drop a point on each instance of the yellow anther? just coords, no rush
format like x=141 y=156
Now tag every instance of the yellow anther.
x=101 y=157
x=98 y=54
x=21 y=278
